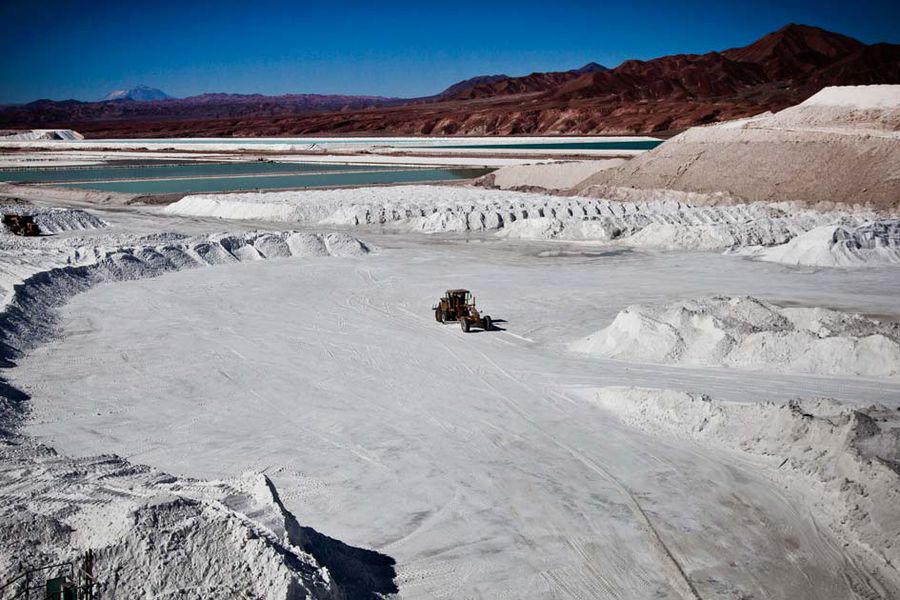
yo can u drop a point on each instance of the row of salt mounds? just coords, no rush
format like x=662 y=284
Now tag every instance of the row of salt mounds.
x=842 y=461
x=54 y=220
x=870 y=244
x=839 y=148
x=746 y=333
x=155 y=535
x=436 y=209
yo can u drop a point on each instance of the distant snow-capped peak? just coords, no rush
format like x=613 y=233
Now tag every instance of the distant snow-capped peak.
x=141 y=92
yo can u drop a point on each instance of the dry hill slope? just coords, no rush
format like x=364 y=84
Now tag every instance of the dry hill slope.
x=841 y=146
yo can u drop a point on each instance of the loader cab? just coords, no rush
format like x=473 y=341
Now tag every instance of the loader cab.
x=459 y=298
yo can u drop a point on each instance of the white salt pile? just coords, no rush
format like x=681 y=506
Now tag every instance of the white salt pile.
x=152 y=534
x=870 y=244
x=548 y=228
x=843 y=462
x=746 y=333
x=870 y=107
x=54 y=220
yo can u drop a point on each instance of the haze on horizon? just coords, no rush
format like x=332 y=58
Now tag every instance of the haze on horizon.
x=82 y=50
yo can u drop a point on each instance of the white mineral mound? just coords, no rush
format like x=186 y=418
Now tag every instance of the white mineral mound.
x=33 y=135
x=714 y=236
x=870 y=244
x=54 y=220
x=857 y=96
x=548 y=228
x=852 y=107
x=746 y=333
x=843 y=462
x=153 y=535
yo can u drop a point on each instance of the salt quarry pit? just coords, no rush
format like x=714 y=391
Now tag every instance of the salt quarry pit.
x=247 y=394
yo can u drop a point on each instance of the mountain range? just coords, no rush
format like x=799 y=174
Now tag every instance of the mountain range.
x=669 y=93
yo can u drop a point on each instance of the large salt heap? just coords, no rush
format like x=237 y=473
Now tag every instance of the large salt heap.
x=746 y=333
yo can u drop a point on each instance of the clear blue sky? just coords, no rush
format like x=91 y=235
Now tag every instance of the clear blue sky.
x=82 y=49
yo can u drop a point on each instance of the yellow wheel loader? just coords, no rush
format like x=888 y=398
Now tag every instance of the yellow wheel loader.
x=459 y=305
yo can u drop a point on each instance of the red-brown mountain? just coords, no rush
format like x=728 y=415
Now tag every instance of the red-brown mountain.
x=795 y=50
x=794 y=55
x=489 y=86
x=667 y=93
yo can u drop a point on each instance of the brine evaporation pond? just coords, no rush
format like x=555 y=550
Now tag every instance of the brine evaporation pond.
x=222 y=177
x=460 y=143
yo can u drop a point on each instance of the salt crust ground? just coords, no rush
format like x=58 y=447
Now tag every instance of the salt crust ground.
x=666 y=224
x=844 y=462
x=746 y=333
x=154 y=534
x=346 y=409
x=840 y=148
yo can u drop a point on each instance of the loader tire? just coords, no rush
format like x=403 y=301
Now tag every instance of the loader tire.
x=486 y=323
x=445 y=316
x=464 y=325
x=438 y=316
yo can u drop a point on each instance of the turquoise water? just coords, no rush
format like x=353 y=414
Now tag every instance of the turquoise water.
x=624 y=145
x=457 y=143
x=278 y=182
x=103 y=173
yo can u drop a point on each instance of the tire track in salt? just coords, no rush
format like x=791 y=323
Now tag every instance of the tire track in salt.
x=676 y=575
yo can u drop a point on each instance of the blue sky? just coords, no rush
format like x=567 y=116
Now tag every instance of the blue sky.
x=72 y=49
